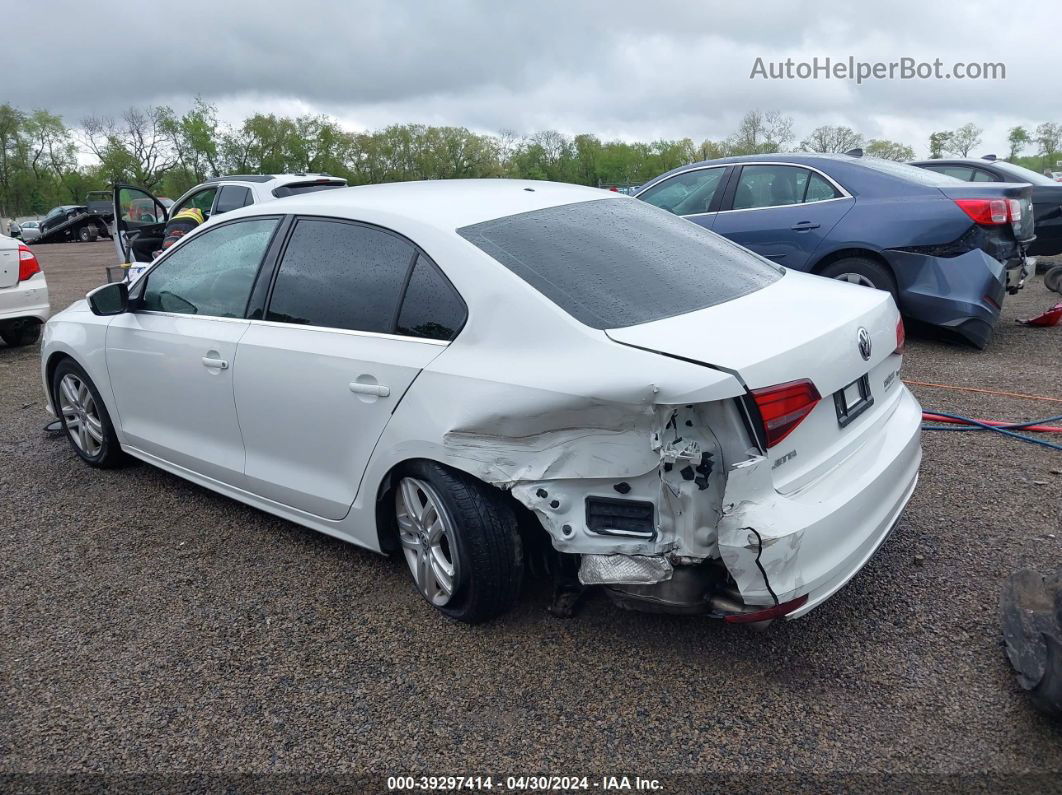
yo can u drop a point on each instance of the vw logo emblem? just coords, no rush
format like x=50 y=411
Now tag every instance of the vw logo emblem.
x=863 y=339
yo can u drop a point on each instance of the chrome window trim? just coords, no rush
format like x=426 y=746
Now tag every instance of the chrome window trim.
x=160 y=313
x=844 y=193
x=779 y=206
x=303 y=326
x=350 y=332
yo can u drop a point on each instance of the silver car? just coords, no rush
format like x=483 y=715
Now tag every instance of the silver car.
x=30 y=231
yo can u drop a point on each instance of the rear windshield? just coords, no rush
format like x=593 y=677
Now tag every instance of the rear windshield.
x=295 y=188
x=620 y=262
x=1023 y=174
x=922 y=176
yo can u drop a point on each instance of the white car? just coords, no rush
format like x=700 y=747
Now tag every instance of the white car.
x=30 y=231
x=437 y=366
x=23 y=293
x=140 y=217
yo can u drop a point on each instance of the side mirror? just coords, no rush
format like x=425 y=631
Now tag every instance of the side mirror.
x=110 y=299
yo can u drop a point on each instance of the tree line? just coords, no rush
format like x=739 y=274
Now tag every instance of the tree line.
x=44 y=162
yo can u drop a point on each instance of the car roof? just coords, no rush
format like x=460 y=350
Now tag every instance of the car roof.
x=444 y=204
x=282 y=178
x=972 y=161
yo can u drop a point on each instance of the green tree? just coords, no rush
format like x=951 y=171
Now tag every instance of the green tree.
x=760 y=133
x=829 y=138
x=938 y=143
x=134 y=147
x=888 y=150
x=1049 y=140
x=1018 y=137
x=964 y=139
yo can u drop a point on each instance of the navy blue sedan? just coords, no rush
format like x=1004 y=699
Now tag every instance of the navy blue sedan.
x=947 y=250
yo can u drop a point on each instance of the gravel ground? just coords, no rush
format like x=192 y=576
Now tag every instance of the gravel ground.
x=147 y=624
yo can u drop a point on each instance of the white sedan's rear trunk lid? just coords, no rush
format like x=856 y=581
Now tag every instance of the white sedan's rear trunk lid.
x=800 y=326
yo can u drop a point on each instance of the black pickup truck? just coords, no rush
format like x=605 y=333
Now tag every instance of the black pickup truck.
x=84 y=222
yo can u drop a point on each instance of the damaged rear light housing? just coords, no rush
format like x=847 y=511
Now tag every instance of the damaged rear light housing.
x=784 y=406
x=991 y=212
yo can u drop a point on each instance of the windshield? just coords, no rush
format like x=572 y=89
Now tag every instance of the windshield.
x=620 y=262
x=1023 y=174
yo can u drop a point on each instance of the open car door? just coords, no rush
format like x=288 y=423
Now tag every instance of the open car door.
x=139 y=223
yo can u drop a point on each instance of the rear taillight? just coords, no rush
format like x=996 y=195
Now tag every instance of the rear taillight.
x=901 y=336
x=991 y=212
x=784 y=407
x=27 y=263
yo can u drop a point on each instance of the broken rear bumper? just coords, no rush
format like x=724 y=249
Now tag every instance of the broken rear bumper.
x=814 y=540
x=963 y=293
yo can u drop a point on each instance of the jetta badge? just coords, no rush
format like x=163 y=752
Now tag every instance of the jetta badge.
x=863 y=338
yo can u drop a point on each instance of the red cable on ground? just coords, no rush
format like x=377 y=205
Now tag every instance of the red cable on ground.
x=928 y=415
x=983 y=391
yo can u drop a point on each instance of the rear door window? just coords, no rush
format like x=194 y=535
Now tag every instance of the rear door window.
x=341 y=275
x=770 y=186
x=618 y=262
x=232 y=197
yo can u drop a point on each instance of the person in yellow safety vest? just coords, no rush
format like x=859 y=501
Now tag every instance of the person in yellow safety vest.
x=181 y=224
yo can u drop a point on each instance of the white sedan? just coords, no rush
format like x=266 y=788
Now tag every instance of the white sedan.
x=452 y=368
x=23 y=294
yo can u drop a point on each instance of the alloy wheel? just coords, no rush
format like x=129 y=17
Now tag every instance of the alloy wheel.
x=855 y=278
x=81 y=415
x=426 y=533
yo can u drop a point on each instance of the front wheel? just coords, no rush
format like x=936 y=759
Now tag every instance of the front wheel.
x=862 y=271
x=84 y=417
x=460 y=541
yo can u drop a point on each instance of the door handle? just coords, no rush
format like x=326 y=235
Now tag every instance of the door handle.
x=804 y=225
x=369 y=389
x=210 y=361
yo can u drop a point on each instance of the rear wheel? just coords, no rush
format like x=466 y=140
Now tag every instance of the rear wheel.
x=87 y=233
x=21 y=332
x=460 y=541
x=862 y=271
x=1053 y=279
x=84 y=417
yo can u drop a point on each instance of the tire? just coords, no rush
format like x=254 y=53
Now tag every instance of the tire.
x=476 y=544
x=1053 y=279
x=1031 y=612
x=21 y=332
x=860 y=270
x=87 y=233
x=72 y=403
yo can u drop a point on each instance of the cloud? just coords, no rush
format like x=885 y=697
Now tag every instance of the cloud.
x=620 y=68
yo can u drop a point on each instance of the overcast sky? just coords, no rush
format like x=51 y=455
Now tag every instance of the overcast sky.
x=631 y=70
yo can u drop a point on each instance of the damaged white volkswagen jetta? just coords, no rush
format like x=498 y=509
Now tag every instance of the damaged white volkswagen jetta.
x=452 y=369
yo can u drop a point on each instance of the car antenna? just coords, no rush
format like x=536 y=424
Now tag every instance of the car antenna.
x=857 y=152
x=989 y=158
